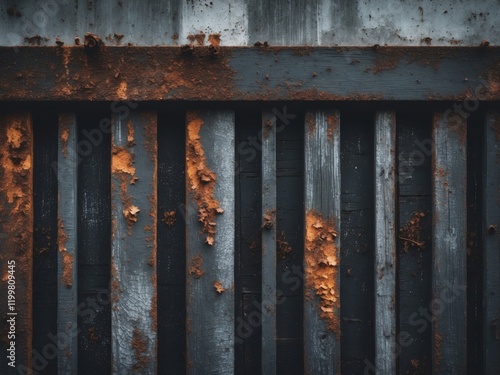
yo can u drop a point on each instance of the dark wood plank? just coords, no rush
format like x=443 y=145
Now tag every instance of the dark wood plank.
x=449 y=244
x=322 y=243
x=385 y=242
x=357 y=238
x=67 y=269
x=134 y=280
x=45 y=252
x=414 y=259
x=268 y=243
x=491 y=238
x=171 y=243
x=210 y=241
x=249 y=73
x=94 y=241
x=16 y=231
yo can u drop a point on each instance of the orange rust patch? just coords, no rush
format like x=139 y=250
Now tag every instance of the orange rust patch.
x=332 y=122
x=122 y=161
x=218 y=287
x=198 y=38
x=195 y=267
x=311 y=124
x=269 y=219
x=410 y=233
x=140 y=347
x=130 y=214
x=64 y=123
x=130 y=134
x=67 y=258
x=321 y=263
x=214 y=40
x=169 y=218
x=201 y=180
x=121 y=91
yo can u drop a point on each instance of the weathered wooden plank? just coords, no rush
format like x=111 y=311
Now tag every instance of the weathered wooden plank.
x=385 y=242
x=491 y=238
x=67 y=269
x=322 y=243
x=268 y=243
x=210 y=241
x=16 y=232
x=249 y=73
x=357 y=238
x=449 y=274
x=133 y=168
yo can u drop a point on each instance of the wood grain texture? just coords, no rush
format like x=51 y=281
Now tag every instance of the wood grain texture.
x=67 y=268
x=385 y=240
x=322 y=197
x=268 y=243
x=491 y=238
x=134 y=168
x=16 y=233
x=449 y=274
x=210 y=315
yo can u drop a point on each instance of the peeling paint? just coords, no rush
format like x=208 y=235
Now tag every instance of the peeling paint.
x=67 y=258
x=321 y=268
x=201 y=179
x=219 y=288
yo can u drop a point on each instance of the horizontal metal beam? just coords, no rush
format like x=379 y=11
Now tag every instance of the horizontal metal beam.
x=249 y=73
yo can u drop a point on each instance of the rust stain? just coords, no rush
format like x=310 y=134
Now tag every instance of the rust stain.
x=201 y=180
x=169 y=218
x=388 y=58
x=67 y=258
x=130 y=213
x=115 y=285
x=64 y=125
x=410 y=233
x=219 y=288
x=268 y=126
x=311 y=124
x=121 y=91
x=93 y=336
x=438 y=340
x=140 y=347
x=214 y=40
x=130 y=134
x=269 y=219
x=332 y=123
x=198 y=38
x=195 y=267
x=284 y=248
x=321 y=262
x=16 y=218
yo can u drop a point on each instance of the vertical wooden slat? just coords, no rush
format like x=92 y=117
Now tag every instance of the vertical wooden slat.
x=268 y=243
x=133 y=167
x=491 y=235
x=210 y=241
x=449 y=241
x=67 y=275
x=16 y=233
x=385 y=240
x=322 y=243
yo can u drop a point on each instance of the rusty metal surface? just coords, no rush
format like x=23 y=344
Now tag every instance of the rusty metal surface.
x=249 y=73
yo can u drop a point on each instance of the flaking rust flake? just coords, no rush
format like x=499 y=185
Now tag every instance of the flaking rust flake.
x=201 y=180
x=321 y=267
x=67 y=258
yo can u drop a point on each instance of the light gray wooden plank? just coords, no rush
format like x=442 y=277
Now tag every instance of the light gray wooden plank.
x=449 y=273
x=67 y=266
x=385 y=242
x=491 y=238
x=322 y=244
x=268 y=243
x=133 y=168
x=210 y=231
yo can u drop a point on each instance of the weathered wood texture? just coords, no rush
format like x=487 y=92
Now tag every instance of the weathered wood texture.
x=67 y=268
x=134 y=295
x=16 y=231
x=248 y=73
x=322 y=210
x=385 y=240
x=268 y=243
x=94 y=242
x=358 y=243
x=414 y=244
x=449 y=244
x=491 y=238
x=210 y=220
x=171 y=243
x=45 y=251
